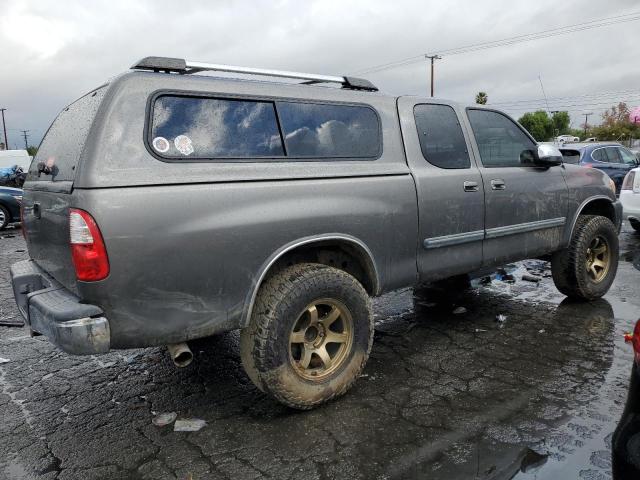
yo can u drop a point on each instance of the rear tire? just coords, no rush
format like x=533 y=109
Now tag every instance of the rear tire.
x=4 y=217
x=586 y=269
x=309 y=336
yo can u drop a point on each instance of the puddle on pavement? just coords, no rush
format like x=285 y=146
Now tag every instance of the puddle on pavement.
x=588 y=396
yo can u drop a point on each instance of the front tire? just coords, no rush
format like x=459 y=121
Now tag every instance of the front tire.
x=586 y=269
x=309 y=336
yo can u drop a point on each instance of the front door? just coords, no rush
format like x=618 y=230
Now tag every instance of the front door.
x=449 y=187
x=526 y=205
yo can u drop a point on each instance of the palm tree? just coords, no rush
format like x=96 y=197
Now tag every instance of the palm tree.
x=481 y=98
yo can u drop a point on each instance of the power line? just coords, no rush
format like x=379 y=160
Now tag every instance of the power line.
x=556 y=106
x=564 y=30
x=585 y=96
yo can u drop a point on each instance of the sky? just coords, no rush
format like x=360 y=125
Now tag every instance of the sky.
x=53 y=52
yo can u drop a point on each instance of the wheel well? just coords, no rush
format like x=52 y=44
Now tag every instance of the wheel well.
x=347 y=256
x=601 y=207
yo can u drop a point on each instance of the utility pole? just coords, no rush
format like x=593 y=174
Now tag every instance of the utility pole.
x=25 y=134
x=586 y=117
x=433 y=58
x=4 y=127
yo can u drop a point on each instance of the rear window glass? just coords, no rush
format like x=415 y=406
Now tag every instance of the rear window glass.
x=63 y=143
x=441 y=138
x=322 y=130
x=188 y=127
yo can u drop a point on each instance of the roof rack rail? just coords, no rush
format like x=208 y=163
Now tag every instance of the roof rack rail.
x=185 y=67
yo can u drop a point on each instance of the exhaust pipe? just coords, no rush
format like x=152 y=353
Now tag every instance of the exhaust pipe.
x=181 y=354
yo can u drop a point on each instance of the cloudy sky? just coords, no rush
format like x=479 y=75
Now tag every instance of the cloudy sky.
x=52 y=52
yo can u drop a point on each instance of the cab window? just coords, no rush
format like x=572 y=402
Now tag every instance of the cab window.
x=441 y=138
x=501 y=142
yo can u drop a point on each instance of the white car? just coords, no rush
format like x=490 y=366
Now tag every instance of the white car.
x=630 y=198
x=567 y=139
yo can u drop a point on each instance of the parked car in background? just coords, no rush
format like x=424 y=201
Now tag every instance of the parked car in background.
x=567 y=139
x=612 y=158
x=630 y=198
x=590 y=139
x=626 y=439
x=10 y=200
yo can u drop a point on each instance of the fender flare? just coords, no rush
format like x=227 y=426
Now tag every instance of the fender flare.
x=266 y=266
x=579 y=210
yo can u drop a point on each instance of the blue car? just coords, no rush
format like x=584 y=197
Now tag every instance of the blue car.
x=10 y=200
x=612 y=158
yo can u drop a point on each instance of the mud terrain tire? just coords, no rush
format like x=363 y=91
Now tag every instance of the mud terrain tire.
x=571 y=267
x=307 y=294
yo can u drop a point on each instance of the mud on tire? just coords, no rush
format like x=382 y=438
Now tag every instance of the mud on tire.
x=586 y=269
x=302 y=314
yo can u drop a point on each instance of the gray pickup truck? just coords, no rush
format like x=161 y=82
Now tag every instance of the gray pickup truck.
x=170 y=205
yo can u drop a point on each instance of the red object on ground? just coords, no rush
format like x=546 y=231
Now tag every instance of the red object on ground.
x=634 y=339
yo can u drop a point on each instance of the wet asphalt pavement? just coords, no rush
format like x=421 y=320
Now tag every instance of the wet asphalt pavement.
x=444 y=396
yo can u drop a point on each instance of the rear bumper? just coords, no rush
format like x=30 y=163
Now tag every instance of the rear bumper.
x=51 y=310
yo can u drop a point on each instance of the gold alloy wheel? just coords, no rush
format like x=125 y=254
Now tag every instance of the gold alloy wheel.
x=321 y=339
x=598 y=259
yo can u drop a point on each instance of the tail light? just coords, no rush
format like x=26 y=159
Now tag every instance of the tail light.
x=87 y=247
x=634 y=339
x=627 y=184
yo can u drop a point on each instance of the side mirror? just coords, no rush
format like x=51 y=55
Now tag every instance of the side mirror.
x=548 y=156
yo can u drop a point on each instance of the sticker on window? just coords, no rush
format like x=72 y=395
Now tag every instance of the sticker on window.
x=183 y=144
x=161 y=144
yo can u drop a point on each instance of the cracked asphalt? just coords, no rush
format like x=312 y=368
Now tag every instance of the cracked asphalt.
x=444 y=396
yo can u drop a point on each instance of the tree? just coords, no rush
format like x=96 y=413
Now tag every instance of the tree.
x=616 y=125
x=481 y=98
x=538 y=124
x=617 y=114
x=31 y=150
x=561 y=122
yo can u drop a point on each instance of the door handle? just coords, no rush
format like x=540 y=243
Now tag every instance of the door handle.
x=470 y=186
x=498 y=184
x=36 y=210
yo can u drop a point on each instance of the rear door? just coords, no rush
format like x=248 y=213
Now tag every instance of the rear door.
x=526 y=205
x=49 y=185
x=449 y=186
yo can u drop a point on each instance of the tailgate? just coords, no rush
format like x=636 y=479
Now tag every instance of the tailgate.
x=46 y=224
x=49 y=186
